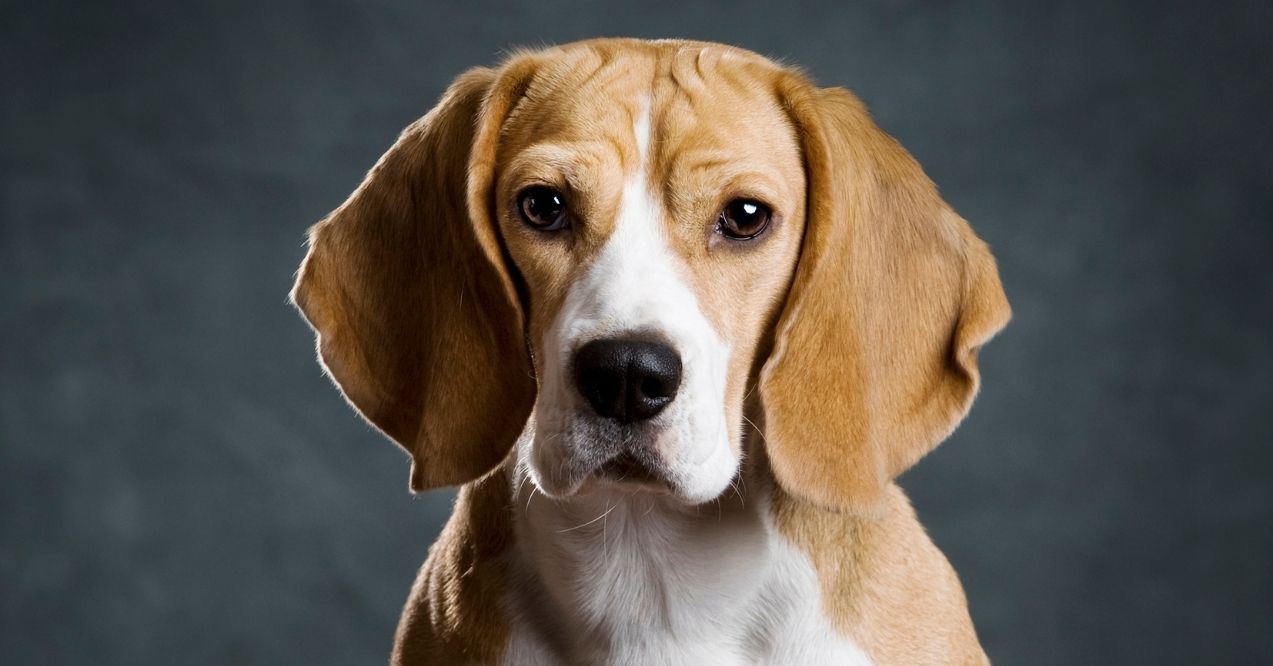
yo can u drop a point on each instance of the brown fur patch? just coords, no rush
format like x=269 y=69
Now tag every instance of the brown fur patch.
x=455 y=614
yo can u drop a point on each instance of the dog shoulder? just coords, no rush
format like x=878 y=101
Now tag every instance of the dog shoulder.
x=884 y=582
x=455 y=613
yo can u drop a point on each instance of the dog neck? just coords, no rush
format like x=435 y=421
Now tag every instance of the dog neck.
x=629 y=576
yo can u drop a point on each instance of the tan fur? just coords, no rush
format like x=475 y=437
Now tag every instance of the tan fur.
x=407 y=290
x=455 y=614
x=425 y=288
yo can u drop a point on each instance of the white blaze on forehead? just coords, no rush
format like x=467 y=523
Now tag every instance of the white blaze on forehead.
x=641 y=130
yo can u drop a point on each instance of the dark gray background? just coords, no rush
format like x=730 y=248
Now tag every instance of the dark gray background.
x=179 y=484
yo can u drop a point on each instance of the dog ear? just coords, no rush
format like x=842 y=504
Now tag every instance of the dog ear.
x=406 y=285
x=875 y=352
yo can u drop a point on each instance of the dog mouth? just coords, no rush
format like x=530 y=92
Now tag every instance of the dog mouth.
x=627 y=467
x=575 y=455
x=601 y=453
x=684 y=454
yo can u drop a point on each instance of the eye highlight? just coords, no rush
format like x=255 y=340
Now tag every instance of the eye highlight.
x=542 y=208
x=744 y=219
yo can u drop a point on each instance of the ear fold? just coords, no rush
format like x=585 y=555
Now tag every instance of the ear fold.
x=875 y=356
x=405 y=284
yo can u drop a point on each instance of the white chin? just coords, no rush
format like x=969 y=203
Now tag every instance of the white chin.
x=709 y=479
x=704 y=491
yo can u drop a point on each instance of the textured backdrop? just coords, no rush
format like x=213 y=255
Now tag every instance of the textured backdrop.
x=179 y=484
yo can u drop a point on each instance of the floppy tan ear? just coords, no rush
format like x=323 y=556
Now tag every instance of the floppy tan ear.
x=875 y=352
x=405 y=284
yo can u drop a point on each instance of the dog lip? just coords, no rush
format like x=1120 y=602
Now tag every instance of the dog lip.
x=627 y=467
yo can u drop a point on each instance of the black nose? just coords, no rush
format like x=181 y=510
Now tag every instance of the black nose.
x=627 y=380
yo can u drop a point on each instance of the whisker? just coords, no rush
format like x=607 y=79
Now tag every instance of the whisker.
x=756 y=428
x=733 y=485
x=533 y=489
x=601 y=518
x=605 y=544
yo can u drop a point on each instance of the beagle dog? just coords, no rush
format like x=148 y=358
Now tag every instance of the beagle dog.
x=674 y=318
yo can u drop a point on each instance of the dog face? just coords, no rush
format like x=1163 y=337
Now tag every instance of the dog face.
x=654 y=218
x=630 y=240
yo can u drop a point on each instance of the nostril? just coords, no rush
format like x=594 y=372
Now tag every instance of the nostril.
x=603 y=385
x=654 y=388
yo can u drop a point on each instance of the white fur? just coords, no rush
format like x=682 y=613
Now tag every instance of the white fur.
x=624 y=577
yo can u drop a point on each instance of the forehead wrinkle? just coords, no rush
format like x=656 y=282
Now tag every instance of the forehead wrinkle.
x=602 y=103
x=685 y=94
x=683 y=85
x=556 y=78
x=685 y=71
x=569 y=158
x=603 y=59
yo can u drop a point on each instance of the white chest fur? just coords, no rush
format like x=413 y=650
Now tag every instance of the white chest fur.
x=629 y=578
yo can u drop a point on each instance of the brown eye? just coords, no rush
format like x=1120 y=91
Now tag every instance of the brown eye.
x=744 y=219
x=542 y=208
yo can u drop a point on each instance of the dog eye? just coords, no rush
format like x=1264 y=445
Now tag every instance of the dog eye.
x=542 y=208
x=744 y=219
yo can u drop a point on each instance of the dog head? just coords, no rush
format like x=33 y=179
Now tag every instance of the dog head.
x=645 y=248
